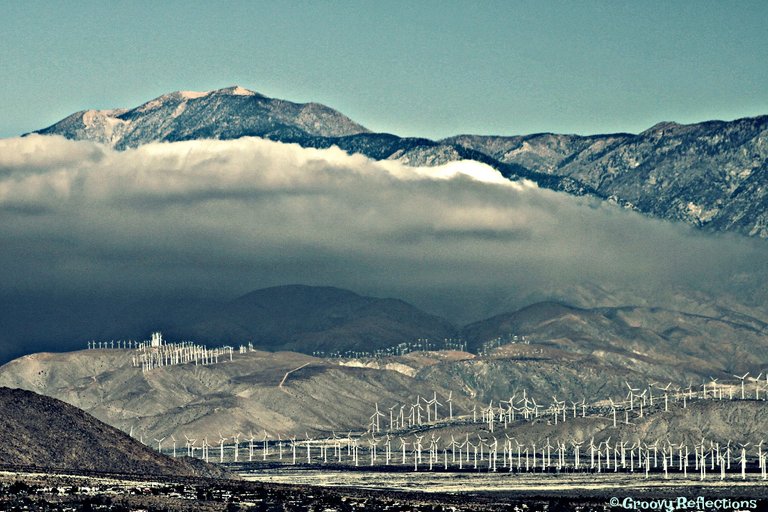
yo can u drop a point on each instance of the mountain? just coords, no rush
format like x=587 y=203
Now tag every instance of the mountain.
x=712 y=175
x=639 y=336
x=547 y=349
x=314 y=318
x=227 y=113
x=236 y=112
x=294 y=317
x=47 y=433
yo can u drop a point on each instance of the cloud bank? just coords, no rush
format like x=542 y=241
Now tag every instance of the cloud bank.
x=221 y=218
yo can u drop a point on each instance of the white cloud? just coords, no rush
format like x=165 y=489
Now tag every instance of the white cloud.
x=226 y=217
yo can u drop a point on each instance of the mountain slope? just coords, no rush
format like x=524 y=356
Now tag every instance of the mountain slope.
x=712 y=174
x=47 y=433
x=281 y=392
x=581 y=353
x=641 y=336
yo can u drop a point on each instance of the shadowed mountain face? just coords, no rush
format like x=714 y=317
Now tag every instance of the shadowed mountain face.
x=294 y=317
x=710 y=174
x=47 y=433
x=307 y=318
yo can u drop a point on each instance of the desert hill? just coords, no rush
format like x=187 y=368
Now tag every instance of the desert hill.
x=45 y=432
x=251 y=393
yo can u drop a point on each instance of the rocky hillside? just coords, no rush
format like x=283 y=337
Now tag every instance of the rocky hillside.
x=711 y=174
x=47 y=433
x=284 y=392
x=727 y=340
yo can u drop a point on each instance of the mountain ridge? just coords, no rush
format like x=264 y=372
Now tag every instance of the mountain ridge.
x=712 y=175
x=547 y=348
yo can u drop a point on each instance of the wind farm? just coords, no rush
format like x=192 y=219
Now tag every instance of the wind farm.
x=376 y=421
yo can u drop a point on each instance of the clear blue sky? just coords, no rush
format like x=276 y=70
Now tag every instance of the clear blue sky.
x=413 y=68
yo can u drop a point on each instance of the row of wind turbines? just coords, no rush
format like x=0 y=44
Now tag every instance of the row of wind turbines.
x=485 y=453
x=501 y=413
x=405 y=436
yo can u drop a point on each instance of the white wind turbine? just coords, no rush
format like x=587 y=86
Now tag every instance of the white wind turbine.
x=403 y=445
x=250 y=446
x=576 y=450
x=757 y=385
x=309 y=446
x=221 y=447
x=187 y=445
x=613 y=411
x=392 y=418
x=742 y=383
x=743 y=460
x=435 y=403
x=236 y=440
x=712 y=381
x=666 y=396
x=375 y=418
x=265 y=447
x=631 y=395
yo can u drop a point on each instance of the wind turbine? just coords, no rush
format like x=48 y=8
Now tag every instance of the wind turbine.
x=435 y=403
x=250 y=446
x=712 y=381
x=757 y=385
x=221 y=447
x=742 y=383
x=666 y=397
x=265 y=446
x=375 y=418
x=631 y=395
x=236 y=440
x=403 y=446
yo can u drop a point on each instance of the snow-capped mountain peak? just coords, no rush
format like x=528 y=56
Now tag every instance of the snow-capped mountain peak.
x=227 y=113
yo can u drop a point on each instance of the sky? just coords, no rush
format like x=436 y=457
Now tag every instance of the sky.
x=427 y=68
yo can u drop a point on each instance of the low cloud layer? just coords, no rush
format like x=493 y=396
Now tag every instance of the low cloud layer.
x=221 y=218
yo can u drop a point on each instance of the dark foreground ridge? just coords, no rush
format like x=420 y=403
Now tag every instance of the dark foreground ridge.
x=48 y=434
